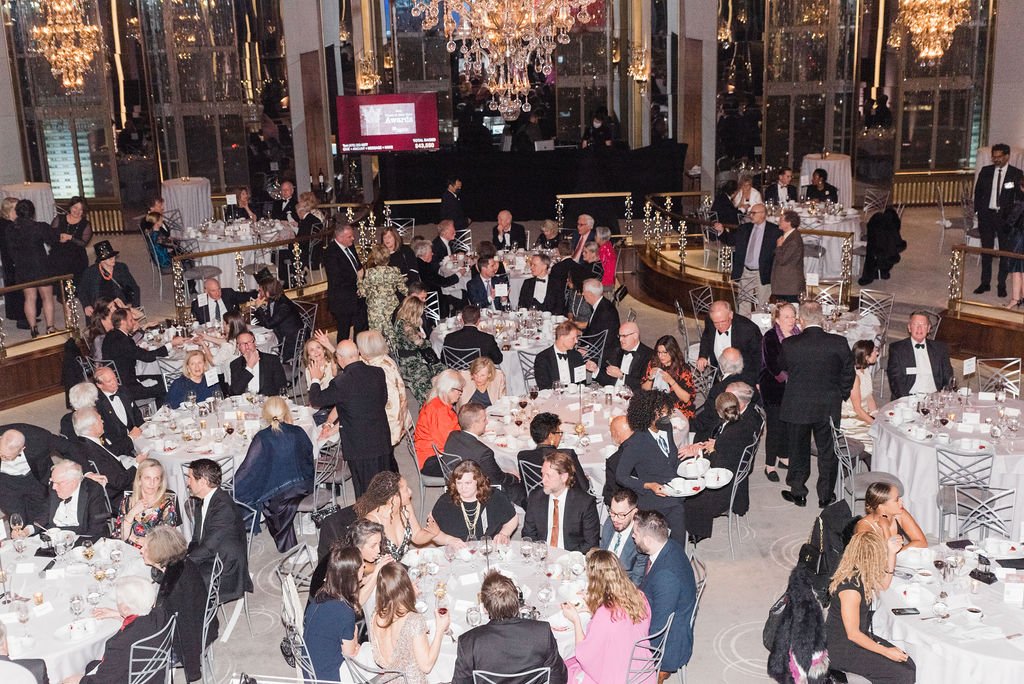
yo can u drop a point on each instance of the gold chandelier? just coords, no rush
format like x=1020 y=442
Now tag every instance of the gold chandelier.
x=67 y=40
x=502 y=39
x=930 y=25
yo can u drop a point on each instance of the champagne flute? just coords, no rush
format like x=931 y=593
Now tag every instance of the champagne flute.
x=7 y=598
x=77 y=605
x=23 y=616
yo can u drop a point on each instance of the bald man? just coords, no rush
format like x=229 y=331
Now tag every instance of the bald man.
x=722 y=329
x=621 y=431
x=359 y=392
x=21 y=490
x=627 y=365
x=753 y=246
x=506 y=234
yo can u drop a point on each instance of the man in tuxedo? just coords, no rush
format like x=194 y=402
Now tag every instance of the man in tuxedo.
x=820 y=367
x=993 y=196
x=444 y=245
x=484 y=289
x=669 y=586
x=23 y=489
x=471 y=337
x=506 y=643
x=620 y=432
x=217 y=529
x=753 y=246
x=344 y=270
x=629 y=362
x=918 y=365
x=707 y=420
x=780 y=191
x=561 y=362
x=39 y=446
x=359 y=392
x=584 y=234
x=546 y=433
x=284 y=208
x=506 y=234
x=216 y=301
x=539 y=291
x=115 y=471
x=122 y=419
x=255 y=371
x=617 y=535
x=466 y=443
x=451 y=206
x=558 y=512
x=124 y=353
x=723 y=329
x=820 y=189
x=604 y=318
x=22 y=670
x=74 y=503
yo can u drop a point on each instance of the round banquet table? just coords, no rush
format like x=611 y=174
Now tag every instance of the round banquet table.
x=48 y=623
x=839 y=173
x=914 y=461
x=954 y=650
x=850 y=325
x=191 y=197
x=830 y=266
x=41 y=195
x=266 y=341
x=234 y=235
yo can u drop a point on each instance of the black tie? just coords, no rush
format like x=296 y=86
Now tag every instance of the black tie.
x=919 y=346
x=723 y=332
x=216 y=309
x=542 y=280
x=66 y=501
x=999 y=185
x=563 y=357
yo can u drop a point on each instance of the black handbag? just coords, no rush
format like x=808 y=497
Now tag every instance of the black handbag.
x=775 y=615
x=319 y=516
x=429 y=355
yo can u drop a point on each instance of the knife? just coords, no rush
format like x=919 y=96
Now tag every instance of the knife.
x=42 y=573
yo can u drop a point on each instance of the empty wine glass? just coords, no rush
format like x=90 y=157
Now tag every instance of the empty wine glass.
x=77 y=605
x=23 y=615
x=545 y=595
x=540 y=551
x=526 y=548
x=473 y=616
x=93 y=594
x=116 y=554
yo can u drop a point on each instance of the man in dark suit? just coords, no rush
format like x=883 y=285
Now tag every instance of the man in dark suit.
x=707 y=420
x=603 y=319
x=561 y=270
x=23 y=489
x=31 y=669
x=629 y=362
x=445 y=245
x=217 y=528
x=918 y=365
x=540 y=291
x=820 y=367
x=722 y=329
x=781 y=191
x=359 y=392
x=255 y=371
x=487 y=289
x=451 y=205
x=820 y=189
x=216 y=301
x=122 y=418
x=617 y=535
x=507 y=643
x=39 y=445
x=753 y=246
x=993 y=196
x=584 y=234
x=466 y=443
x=75 y=502
x=121 y=349
x=471 y=337
x=669 y=586
x=284 y=208
x=546 y=433
x=558 y=512
x=343 y=269
x=620 y=432
x=506 y=234
x=115 y=471
x=274 y=310
x=561 y=362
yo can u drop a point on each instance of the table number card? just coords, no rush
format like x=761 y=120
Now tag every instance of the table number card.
x=812 y=279
x=212 y=378
x=203 y=299
x=972 y=418
x=970 y=366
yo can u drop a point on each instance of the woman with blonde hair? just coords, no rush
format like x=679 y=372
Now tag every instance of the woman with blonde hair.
x=310 y=222
x=149 y=505
x=865 y=570
x=277 y=472
x=381 y=285
x=484 y=383
x=548 y=238
x=374 y=351
x=192 y=381
x=416 y=358
x=621 y=616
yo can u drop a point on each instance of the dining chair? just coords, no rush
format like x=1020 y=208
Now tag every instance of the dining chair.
x=364 y=674
x=447 y=461
x=539 y=675
x=850 y=484
x=592 y=346
x=683 y=332
x=459 y=359
x=424 y=481
x=150 y=656
x=987 y=510
x=742 y=473
x=966 y=471
x=647 y=654
x=1002 y=373
x=209 y=613
x=700 y=304
x=526 y=362
x=529 y=473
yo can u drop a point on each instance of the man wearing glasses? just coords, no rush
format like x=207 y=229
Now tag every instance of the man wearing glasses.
x=617 y=535
x=627 y=365
x=753 y=246
x=993 y=196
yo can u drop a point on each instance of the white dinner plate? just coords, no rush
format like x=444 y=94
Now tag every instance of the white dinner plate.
x=716 y=478
x=76 y=630
x=681 y=487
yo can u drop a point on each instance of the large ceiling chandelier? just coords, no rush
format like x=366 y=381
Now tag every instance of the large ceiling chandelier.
x=930 y=25
x=67 y=40
x=502 y=39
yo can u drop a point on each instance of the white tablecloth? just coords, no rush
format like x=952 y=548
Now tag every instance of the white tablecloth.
x=915 y=463
x=946 y=651
x=221 y=236
x=266 y=341
x=839 y=173
x=831 y=265
x=191 y=198
x=851 y=326
x=64 y=657
x=41 y=195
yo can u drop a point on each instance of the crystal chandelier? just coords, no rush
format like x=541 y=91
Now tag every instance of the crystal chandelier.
x=367 y=77
x=502 y=39
x=930 y=25
x=67 y=40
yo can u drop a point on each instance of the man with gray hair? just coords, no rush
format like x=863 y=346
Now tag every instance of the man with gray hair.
x=344 y=270
x=21 y=491
x=116 y=472
x=584 y=234
x=732 y=366
x=74 y=503
x=82 y=395
x=603 y=319
x=122 y=419
x=722 y=328
x=23 y=670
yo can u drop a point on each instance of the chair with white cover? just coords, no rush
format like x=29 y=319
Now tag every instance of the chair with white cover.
x=152 y=655
x=850 y=484
x=647 y=654
x=539 y=675
x=960 y=472
x=995 y=374
x=529 y=473
x=209 y=612
x=459 y=359
x=364 y=674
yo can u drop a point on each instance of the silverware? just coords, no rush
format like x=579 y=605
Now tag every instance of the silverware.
x=1013 y=636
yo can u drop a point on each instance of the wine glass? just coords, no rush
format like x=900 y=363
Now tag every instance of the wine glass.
x=7 y=598
x=190 y=399
x=116 y=554
x=77 y=605
x=93 y=594
x=526 y=548
x=533 y=393
x=17 y=523
x=19 y=547
x=23 y=615
x=523 y=402
x=540 y=551
x=545 y=595
x=473 y=616
x=450 y=553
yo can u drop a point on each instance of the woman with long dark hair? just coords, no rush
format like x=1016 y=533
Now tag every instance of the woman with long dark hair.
x=668 y=372
x=388 y=502
x=72 y=235
x=772 y=383
x=330 y=621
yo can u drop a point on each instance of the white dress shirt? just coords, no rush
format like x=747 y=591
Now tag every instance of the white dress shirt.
x=254 y=381
x=119 y=409
x=618 y=541
x=561 y=519
x=66 y=514
x=205 y=508
x=214 y=306
x=564 y=371
x=540 y=289
x=17 y=466
x=783 y=193
x=924 y=381
x=722 y=341
x=627 y=363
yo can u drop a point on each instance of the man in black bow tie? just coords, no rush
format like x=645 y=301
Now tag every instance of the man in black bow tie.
x=918 y=365
x=723 y=329
x=561 y=362
x=541 y=291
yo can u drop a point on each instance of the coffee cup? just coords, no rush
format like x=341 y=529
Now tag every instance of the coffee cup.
x=974 y=615
x=942 y=438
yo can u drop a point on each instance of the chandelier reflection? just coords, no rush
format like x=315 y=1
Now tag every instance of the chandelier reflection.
x=367 y=78
x=67 y=40
x=503 y=39
x=930 y=25
x=639 y=67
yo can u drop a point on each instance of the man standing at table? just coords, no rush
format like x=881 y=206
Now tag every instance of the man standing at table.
x=451 y=207
x=993 y=195
x=723 y=329
x=120 y=349
x=753 y=246
x=561 y=362
x=916 y=364
x=559 y=513
x=344 y=270
x=215 y=302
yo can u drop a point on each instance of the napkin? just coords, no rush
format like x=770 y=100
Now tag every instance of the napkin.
x=44 y=608
x=9 y=618
x=596 y=439
x=978 y=633
x=55 y=573
x=462 y=605
x=971 y=418
x=986 y=396
x=1012 y=412
x=574 y=407
x=24 y=569
x=962 y=427
x=470 y=579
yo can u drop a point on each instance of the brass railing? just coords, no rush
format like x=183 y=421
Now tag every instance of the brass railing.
x=957 y=299
x=72 y=318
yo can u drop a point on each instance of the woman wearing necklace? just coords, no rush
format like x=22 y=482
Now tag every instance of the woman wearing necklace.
x=387 y=502
x=885 y=514
x=472 y=509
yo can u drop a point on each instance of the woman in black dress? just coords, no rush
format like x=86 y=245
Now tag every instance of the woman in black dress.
x=402 y=257
x=241 y=211
x=772 y=384
x=14 y=302
x=472 y=509
x=28 y=252
x=272 y=309
x=73 y=233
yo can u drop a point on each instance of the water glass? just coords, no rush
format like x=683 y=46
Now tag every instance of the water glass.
x=77 y=605
x=473 y=616
x=526 y=548
x=540 y=550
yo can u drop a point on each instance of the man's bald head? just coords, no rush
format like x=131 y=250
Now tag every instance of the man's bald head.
x=730 y=361
x=11 y=444
x=346 y=352
x=620 y=429
x=106 y=379
x=720 y=314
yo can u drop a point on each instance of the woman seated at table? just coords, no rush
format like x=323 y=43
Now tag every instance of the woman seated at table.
x=192 y=381
x=865 y=571
x=220 y=350
x=388 y=502
x=410 y=344
x=319 y=352
x=329 y=624
x=272 y=309
x=436 y=421
x=668 y=372
x=400 y=255
x=398 y=633
x=590 y=266
x=885 y=514
x=374 y=351
x=240 y=211
x=548 y=238
x=183 y=592
x=621 y=617
x=311 y=223
x=859 y=408
x=98 y=326
x=381 y=286
x=471 y=509
x=149 y=506
x=746 y=196
x=277 y=472
x=158 y=235
x=135 y=598
x=367 y=536
x=484 y=383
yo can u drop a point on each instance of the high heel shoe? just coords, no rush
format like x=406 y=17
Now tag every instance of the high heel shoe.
x=50 y=330
x=35 y=332
x=772 y=475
